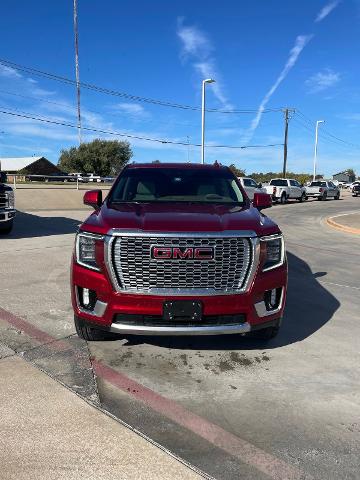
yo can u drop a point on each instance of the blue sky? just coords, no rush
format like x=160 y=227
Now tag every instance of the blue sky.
x=263 y=55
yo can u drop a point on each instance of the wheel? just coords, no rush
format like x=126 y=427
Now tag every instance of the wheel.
x=324 y=197
x=6 y=227
x=302 y=198
x=337 y=197
x=88 y=333
x=283 y=199
x=267 y=333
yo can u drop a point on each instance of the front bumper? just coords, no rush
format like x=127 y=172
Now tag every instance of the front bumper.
x=250 y=305
x=6 y=215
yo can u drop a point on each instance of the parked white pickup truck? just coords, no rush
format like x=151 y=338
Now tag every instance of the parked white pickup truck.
x=284 y=189
x=251 y=187
x=322 y=190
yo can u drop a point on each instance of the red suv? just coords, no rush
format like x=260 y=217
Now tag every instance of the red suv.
x=178 y=249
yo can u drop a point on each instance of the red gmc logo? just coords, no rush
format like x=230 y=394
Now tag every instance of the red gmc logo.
x=182 y=253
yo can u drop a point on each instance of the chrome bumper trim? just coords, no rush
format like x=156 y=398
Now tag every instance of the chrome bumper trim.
x=179 y=331
x=7 y=213
x=261 y=310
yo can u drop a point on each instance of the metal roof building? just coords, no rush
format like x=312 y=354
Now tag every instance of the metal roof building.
x=28 y=165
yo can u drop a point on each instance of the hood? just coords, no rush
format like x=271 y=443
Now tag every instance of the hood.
x=150 y=217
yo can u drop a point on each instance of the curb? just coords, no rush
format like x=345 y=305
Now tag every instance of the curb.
x=342 y=228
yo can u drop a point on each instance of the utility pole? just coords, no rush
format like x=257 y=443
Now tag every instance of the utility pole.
x=77 y=71
x=188 y=148
x=287 y=111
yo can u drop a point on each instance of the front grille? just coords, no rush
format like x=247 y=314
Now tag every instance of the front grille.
x=137 y=272
x=159 y=321
x=3 y=200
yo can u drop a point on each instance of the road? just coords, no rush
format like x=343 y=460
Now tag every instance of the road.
x=233 y=408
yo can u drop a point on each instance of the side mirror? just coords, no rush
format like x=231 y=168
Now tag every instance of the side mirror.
x=93 y=198
x=260 y=185
x=262 y=201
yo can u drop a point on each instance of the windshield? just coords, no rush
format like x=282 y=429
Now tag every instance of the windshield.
x=157 y=185
x=318 y=184
x=279 y=183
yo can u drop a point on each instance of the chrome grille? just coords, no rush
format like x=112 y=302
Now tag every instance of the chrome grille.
x=3 y=200
x=137 y=272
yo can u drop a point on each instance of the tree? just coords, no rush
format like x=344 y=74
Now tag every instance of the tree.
x=351 y=172
x=239 y=172
x=103 y=157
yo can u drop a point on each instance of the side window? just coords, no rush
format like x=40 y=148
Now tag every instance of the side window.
x=293 y=183
x=247 y=182
x=331 y=185
x=253 y=183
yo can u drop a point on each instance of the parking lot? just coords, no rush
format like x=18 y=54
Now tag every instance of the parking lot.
x=230 y=406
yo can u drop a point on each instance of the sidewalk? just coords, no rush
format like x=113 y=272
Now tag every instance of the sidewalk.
x=47 y=432
x=347 y=223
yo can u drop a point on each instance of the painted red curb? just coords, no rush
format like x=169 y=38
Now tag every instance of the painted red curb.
x=246 y=452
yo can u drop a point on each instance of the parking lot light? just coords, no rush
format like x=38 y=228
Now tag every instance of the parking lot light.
x=316 y=143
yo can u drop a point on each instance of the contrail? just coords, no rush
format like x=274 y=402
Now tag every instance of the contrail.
x=324 y=12
x=300 y=43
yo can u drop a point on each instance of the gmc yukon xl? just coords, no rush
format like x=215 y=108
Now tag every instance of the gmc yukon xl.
x=178 y=249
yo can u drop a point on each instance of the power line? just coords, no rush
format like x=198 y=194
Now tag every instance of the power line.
x=30 y=116
x=326 y=132
x=89 y=86
x=323 y=139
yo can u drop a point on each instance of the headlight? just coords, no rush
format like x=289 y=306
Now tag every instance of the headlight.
x=274 y=251
x=11 y=200
x=85 y=249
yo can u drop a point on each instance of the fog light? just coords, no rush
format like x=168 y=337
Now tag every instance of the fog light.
x=87 y=298
x=272 y=298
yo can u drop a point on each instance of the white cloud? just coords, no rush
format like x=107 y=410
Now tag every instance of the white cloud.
x=322 y=80
x=197 y=48
x=294 y=53
x=194 y=41
x=133 y=109
x=324 y=12
x=9 y=72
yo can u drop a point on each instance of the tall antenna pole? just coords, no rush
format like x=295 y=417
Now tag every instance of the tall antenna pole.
x=188 y=148
x=77 y=71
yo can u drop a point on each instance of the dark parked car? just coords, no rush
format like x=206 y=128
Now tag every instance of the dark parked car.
x=356 y=190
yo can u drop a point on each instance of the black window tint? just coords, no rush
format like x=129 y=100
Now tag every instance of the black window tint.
x=279 y=183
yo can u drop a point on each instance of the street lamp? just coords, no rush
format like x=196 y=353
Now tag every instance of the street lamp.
x=208 y=80
x=316 y=143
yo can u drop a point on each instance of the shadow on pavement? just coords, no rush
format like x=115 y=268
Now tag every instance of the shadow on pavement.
x=309 y=307
x=27 y=225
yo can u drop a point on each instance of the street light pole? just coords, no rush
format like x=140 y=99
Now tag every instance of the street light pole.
x=76 y=38
x=316 y=144
x=208 y=80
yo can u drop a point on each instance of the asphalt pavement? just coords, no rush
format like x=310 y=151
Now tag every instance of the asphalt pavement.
x=232 y=407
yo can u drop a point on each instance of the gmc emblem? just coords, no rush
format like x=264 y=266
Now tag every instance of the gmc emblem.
x=182 y=253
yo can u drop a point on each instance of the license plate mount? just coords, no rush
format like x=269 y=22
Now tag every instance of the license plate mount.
x=190 y=310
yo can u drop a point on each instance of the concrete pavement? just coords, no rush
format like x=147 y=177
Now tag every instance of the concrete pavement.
x=49 y=433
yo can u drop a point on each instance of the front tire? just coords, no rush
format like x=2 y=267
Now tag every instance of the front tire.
x=337 y=196
x=268 y=333
x=6 y=227
x=88 y=333
x=302 y=198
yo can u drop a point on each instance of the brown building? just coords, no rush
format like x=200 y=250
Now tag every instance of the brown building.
x=27 y=166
